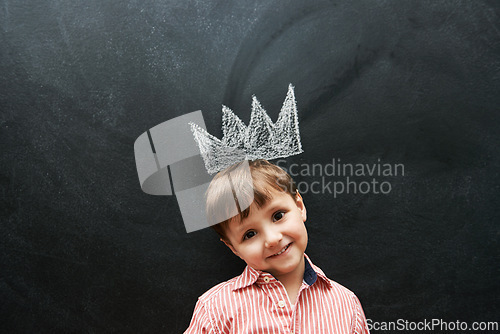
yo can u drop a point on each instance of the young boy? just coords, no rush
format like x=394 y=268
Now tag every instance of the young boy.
x=280 y=290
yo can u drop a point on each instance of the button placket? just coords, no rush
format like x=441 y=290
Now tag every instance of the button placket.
x=277 y=294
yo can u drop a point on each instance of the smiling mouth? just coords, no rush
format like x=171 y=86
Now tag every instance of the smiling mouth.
x=281 y=251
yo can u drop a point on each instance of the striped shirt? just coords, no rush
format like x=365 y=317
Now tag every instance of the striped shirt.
x=255 y=302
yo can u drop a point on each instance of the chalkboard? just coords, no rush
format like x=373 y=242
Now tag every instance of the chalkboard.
x=406 y=89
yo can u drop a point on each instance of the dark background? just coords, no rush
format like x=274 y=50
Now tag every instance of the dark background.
x=84 y=250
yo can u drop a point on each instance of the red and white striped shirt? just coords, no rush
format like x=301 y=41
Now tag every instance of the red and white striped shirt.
x=255 y=302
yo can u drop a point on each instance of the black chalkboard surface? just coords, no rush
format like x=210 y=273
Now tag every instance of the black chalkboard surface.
x=412 y=85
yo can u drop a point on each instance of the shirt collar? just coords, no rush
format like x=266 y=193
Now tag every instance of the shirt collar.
x=310 y=275
x=251 y=276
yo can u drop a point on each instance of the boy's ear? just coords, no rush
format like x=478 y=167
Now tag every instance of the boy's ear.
x=300 y=204
x=228 y=244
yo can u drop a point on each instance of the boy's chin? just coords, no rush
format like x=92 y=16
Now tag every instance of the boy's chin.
x=287 y=264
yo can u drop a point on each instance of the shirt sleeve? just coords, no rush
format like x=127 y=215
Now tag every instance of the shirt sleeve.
x=359 y=326
x=200 y=323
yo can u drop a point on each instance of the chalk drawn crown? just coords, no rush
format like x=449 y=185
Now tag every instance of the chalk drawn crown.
x=261 y=139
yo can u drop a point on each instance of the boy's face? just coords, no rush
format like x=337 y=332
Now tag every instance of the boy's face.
x=272 y=238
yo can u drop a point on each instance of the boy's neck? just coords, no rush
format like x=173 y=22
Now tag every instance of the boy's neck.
x=292 y=281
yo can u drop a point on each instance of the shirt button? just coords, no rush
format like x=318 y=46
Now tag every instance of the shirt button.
x=281 y=303
x=266 y=279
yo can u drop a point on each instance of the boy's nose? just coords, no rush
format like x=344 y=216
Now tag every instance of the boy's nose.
x=273 y=238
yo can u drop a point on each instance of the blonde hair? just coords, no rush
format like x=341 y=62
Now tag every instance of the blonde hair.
x=221 y=196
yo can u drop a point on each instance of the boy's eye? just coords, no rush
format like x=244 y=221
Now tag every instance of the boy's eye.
x=248 y=235
x=278 y=215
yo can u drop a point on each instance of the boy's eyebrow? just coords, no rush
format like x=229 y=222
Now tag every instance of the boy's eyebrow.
x=240 y=227
x=270 y=205
x=273 y=208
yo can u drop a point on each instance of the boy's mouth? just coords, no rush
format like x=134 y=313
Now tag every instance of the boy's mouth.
x=282 y=250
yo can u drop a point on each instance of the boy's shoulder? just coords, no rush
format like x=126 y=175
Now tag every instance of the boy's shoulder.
x=225 y=289
x=334 y=287
x=219 y=290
